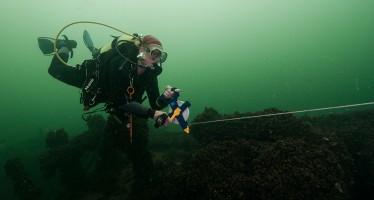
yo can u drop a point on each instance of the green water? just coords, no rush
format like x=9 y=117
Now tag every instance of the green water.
x=231 y=55
x=237 y=55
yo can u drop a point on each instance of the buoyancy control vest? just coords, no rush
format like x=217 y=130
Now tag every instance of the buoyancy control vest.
x=92 y=91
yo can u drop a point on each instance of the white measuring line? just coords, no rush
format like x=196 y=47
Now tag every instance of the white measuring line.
x=285 y=113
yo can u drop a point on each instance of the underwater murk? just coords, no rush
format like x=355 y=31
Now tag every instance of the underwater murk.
x=261 y=58
x=277 y=156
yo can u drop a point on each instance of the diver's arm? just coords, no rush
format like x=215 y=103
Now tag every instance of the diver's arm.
x=161 y=118
x=153 y=93
x=66 y=74
x=138 y=110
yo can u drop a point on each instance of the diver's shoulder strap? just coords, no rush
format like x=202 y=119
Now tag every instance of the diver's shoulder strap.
x=118 y=41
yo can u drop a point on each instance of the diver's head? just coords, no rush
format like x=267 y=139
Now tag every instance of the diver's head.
x=151 y=53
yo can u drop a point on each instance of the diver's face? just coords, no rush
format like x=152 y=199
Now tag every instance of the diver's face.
x=147 y=57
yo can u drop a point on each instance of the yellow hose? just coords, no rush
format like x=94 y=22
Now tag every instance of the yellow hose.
x=80 y=22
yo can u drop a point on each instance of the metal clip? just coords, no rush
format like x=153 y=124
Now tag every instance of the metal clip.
x=92 y=101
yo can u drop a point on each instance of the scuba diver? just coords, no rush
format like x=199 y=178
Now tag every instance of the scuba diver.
x=118 y=75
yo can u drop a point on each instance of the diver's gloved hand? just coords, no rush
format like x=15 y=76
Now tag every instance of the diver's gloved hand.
x=47 y=44
x=161 y=119
x=170 y=92
x=70 y=44
x=64 y=50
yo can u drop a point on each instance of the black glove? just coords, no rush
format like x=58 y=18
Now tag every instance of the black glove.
x=160 y=120
x=46 y=45
x=70 y=44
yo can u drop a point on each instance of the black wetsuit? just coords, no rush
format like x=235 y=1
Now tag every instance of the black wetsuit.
x=111 y=75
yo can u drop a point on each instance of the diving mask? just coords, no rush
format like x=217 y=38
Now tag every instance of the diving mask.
x=156 y=53
x=153 y=54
